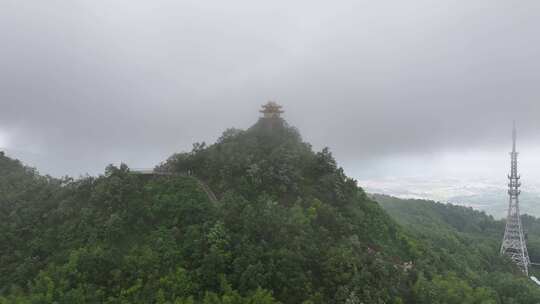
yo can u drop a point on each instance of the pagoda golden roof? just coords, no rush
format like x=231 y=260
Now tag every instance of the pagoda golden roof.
x=271 y=107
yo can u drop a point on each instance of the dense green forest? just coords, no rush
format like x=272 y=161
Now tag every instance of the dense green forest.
x=289 y=227
x=464 y=244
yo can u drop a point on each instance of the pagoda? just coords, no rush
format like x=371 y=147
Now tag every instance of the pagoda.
x=271 y=110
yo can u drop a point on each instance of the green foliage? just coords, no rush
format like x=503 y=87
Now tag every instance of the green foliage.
x=272 y=161
x=289 y=227
x=459 y=254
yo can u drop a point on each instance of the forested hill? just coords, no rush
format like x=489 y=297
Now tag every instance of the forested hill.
x=466 y=242
x=289 y=227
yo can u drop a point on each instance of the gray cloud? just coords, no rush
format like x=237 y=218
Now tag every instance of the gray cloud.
x=86 y=83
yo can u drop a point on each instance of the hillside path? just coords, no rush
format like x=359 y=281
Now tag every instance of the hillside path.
x=204 y=186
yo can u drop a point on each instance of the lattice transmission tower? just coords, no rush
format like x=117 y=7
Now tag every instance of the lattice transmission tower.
x=513 y=244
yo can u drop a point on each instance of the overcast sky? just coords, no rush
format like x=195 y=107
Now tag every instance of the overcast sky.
x=394 y=88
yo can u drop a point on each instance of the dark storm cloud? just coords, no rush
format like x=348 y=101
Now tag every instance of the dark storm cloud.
x=86 y=83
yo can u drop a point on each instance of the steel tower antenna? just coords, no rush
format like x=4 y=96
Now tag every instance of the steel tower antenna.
x=513 y=244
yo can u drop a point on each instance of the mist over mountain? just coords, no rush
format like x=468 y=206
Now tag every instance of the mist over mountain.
x=256 y=217
x=489 y=195
x=88 y=83
x=134 y=168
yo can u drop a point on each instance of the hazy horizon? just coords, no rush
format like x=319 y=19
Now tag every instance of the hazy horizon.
x=416 y=91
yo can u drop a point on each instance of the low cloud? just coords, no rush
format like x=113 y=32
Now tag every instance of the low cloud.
x=87 y=83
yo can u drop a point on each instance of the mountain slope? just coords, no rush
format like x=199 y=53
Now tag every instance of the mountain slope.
x=283 y=202
x=464 y=245
x=289 y=227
